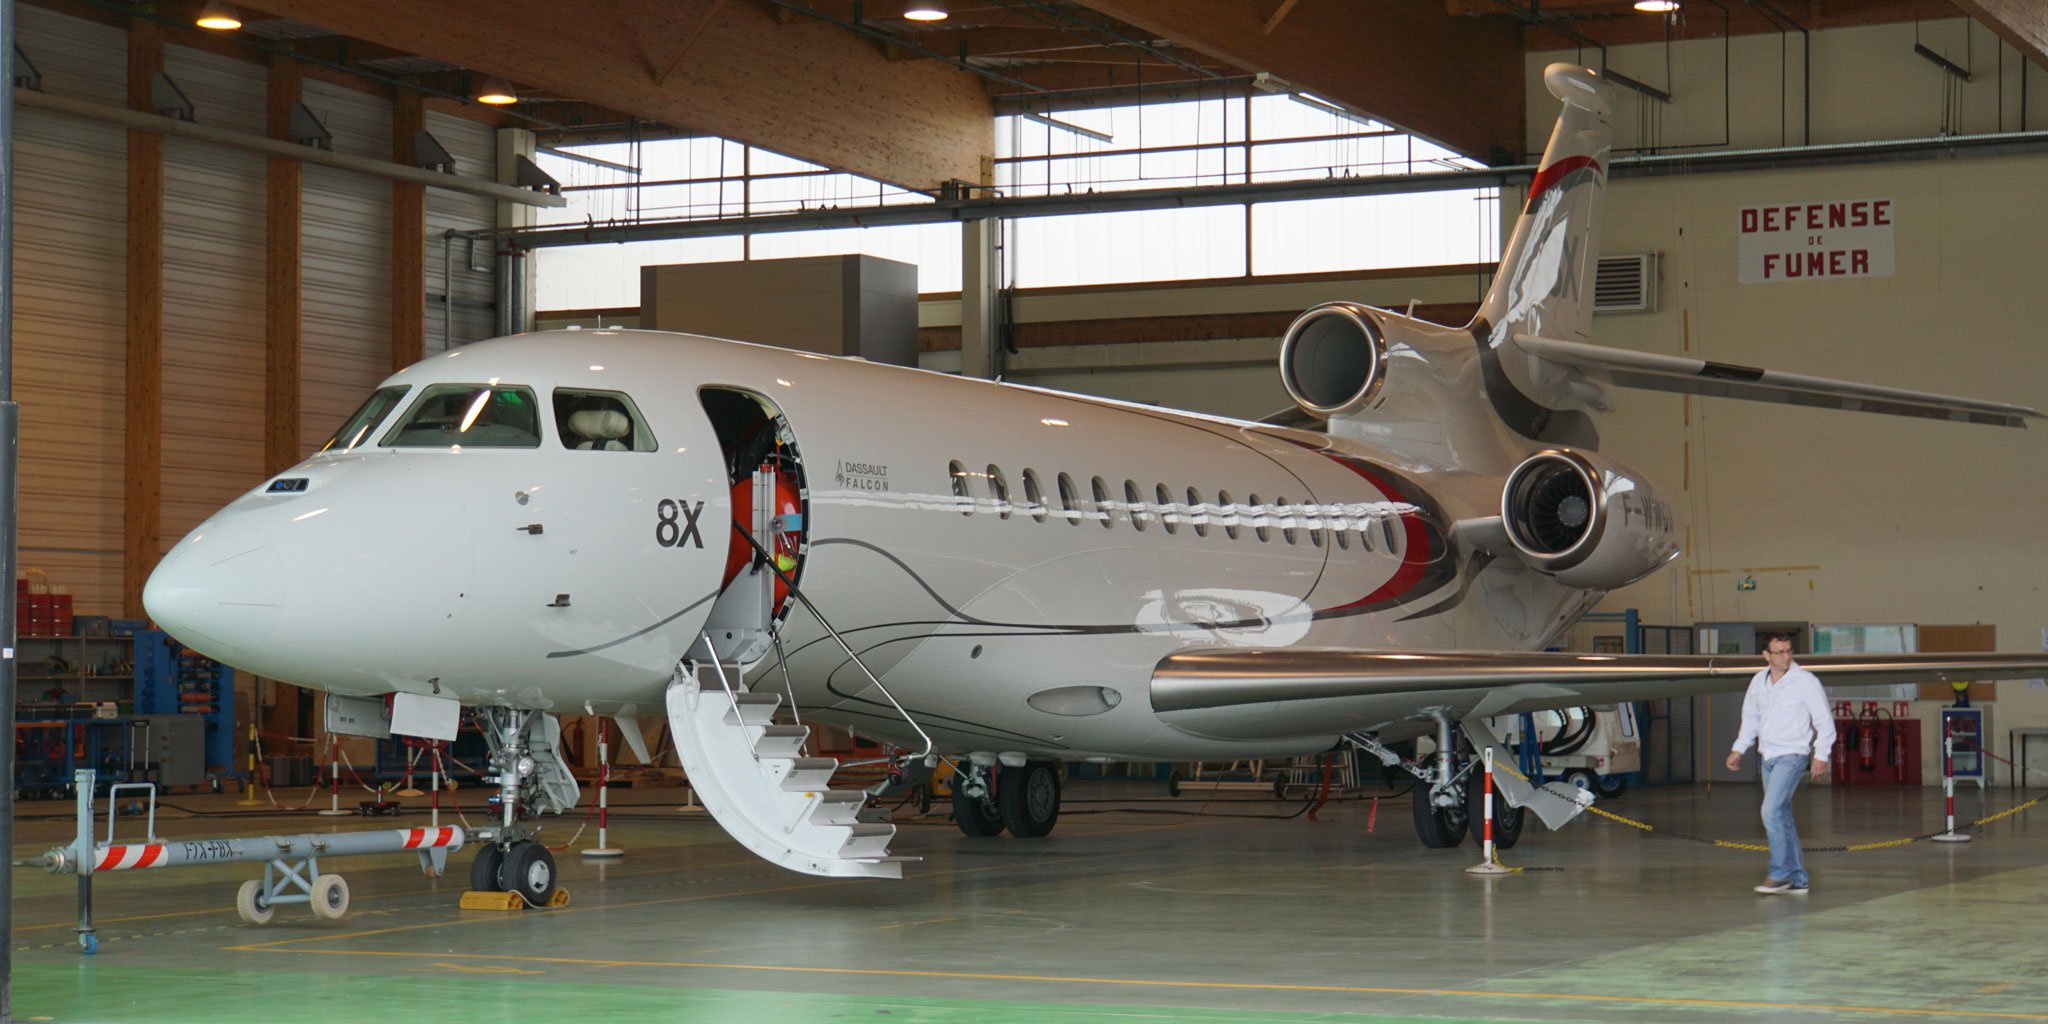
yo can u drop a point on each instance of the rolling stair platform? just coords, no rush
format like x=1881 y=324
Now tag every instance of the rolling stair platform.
x=752 y=775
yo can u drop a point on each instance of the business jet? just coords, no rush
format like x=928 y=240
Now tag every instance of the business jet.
x=749 y=539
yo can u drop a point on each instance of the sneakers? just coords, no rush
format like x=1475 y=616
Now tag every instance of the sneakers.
x=1772 y=886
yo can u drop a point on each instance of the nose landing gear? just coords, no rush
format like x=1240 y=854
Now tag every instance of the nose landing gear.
x=514 y=870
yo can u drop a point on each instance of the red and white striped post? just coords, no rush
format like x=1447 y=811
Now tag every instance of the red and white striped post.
x=1487 y=864
x=603 y=850
x=435 y=785
x=334 y=780
x=1948 y=792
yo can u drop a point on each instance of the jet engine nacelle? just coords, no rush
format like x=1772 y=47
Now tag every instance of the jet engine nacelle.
x=1586 y=520
x=1333 y=359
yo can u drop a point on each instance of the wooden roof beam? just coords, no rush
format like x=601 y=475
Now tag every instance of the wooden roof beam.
x=808 y=89
x=2022 y=23
x=1457 y=81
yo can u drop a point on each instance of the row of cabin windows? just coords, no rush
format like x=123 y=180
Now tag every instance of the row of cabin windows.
x=1290 y=521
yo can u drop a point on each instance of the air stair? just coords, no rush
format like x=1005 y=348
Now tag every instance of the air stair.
x=753 y=777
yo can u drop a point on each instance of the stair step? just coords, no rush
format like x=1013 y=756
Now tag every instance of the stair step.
x=865 y=840
x=809 y=773
x=894 y=858
x=838 y=807
x=754 y=708
x=781 y=740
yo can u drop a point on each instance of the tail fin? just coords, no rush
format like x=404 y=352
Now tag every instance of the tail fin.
x=1544 y=286
x=1545 y=282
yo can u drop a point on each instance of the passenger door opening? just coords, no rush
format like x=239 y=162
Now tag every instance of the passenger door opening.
x=770 y=504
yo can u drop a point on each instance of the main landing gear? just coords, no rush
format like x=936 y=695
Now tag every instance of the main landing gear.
x=1450 y=792
x=989 y=798
x=532 y=778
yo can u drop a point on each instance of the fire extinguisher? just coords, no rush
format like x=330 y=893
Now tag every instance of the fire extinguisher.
x=1845 y=733
x=1866 y=740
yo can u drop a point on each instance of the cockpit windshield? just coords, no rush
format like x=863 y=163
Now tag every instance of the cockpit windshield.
x=471 y=416
x=365 y=419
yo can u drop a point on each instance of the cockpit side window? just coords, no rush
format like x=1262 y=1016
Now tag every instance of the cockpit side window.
x=373 y=411
x=605 y=421
x=471 y=416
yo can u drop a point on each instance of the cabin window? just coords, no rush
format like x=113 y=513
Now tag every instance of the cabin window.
x=1285 y=513
x=1393 y=535
x=469 y=416
x=1198 y=514
x=1365 y=532
x=961 y=499
x=606 y=421
x=1135 y=505
x=1034 y=497
x=1168 y=515
x=1340 y=531
x=1312 y=521
x=1070 y=502
x=373 y=410
x=999 y=489
x=1226 y=510
x=1104 y=507
x=1260 y=523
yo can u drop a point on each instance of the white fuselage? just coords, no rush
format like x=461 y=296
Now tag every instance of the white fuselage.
x=557 y=578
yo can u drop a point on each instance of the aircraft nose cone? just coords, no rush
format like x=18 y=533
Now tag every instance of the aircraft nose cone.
x=220 y=590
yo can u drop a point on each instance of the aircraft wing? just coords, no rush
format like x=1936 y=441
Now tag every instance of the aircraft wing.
x=1352 y=689
x=1728 y=380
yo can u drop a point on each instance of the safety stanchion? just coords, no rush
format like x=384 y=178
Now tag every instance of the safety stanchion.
x=1948 y=793
x=249 y=785
x=435 y=785
x=412 y=760
x=604 y=850
x=334 y=781
x=1487 y=864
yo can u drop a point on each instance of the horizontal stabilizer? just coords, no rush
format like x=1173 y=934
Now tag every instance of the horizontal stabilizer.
x=1728 y=380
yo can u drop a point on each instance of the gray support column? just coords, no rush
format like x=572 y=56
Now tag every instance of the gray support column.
x=514 y=265
x=10 y=436
x=980 y=289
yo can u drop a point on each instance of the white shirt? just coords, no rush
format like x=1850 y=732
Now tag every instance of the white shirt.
x=1789 y=716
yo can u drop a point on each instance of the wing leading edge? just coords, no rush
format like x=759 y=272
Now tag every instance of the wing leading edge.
x=1349 y=688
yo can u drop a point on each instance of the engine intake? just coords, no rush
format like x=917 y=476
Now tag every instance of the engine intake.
x=1586 y=520
x=1333 y=359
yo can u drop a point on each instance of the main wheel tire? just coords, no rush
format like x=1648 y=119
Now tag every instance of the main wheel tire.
x=330 y=897
x=483 y=871
x=529 y=870
x=1439 y=827
x=1029 y=798
x=976 y=816
x=1507 y=821
x=249 y=903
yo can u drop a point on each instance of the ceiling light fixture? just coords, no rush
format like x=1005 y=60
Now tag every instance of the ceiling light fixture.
x=497 y=92
x=1657 y=6
x=218 y=16
x=925 y=10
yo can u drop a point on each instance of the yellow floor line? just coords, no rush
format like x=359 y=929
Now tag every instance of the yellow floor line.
x=1740 y=1004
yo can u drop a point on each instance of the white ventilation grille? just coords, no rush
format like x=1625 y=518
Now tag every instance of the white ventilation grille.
x=1626 y=283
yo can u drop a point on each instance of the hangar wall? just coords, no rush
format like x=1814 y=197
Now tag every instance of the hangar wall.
x=70 y=291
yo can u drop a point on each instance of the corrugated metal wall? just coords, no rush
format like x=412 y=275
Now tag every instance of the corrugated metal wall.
x=70 y=284
x=70 y=319
x=466 y=315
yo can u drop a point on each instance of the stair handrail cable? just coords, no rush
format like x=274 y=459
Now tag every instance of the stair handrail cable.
x=719 y=667
x=782 y=662
x=768 y=559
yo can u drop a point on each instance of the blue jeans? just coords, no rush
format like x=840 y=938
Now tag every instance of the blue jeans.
x=1781 y=777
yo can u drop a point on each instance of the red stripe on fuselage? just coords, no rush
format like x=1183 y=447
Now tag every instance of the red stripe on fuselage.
x=1547 y=178
x=1415 y=554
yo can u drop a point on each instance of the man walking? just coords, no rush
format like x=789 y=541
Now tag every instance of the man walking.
x=1786 y=714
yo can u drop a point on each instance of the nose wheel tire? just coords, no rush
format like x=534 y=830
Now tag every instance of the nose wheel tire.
x=529 y=870
x=976 y=818
x=1029 y=798
x=483 y=871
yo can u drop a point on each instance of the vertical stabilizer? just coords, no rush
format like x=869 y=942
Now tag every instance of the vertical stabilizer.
x=1545 y=283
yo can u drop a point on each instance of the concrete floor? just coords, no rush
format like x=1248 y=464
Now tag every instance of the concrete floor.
x=1194 y=909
